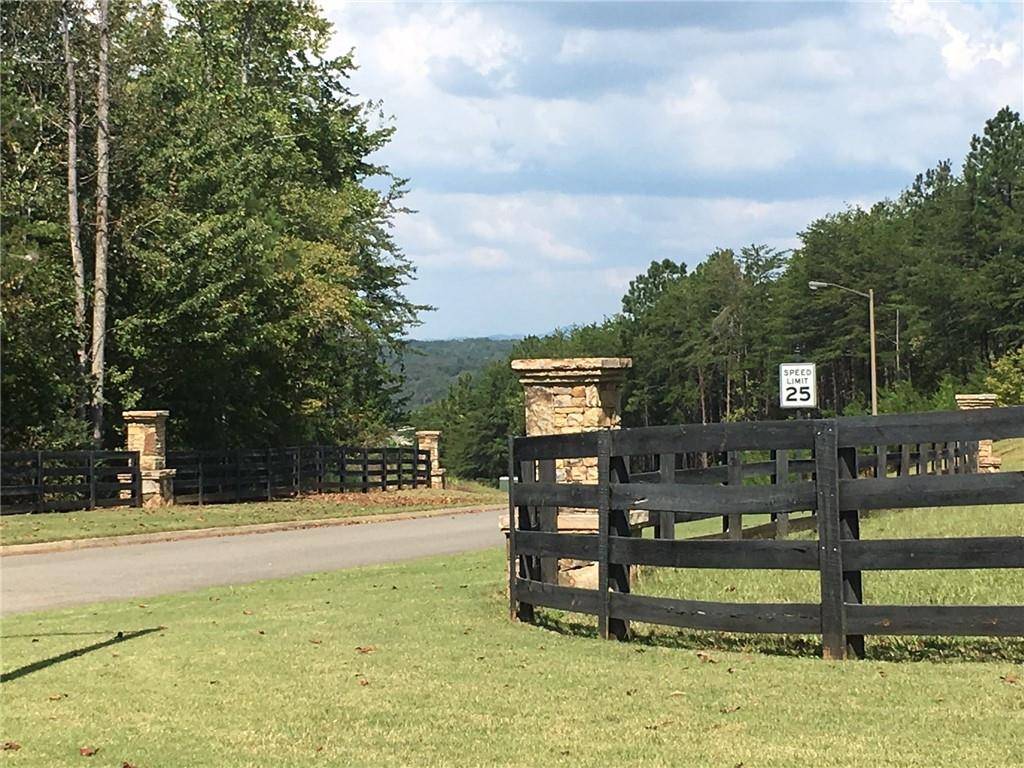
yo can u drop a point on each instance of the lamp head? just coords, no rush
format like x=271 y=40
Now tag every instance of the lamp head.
x=815 y=285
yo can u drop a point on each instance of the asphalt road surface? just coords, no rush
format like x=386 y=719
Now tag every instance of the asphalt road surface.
x=41 y=581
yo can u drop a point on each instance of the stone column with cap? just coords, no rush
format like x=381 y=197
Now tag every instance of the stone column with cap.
x=569 y=395
x=147 y=434
x=572 y=394
x=430 y=440
x=987 y=460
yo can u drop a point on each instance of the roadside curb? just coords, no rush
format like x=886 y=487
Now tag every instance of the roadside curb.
x=68 y=545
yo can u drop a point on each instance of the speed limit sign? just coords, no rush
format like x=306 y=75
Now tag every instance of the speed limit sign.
x=798 y=385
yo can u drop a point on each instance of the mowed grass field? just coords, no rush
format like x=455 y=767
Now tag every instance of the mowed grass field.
x=123 y=521
x=418 y=665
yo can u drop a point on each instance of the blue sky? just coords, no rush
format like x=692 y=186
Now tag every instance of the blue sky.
x=556 y=149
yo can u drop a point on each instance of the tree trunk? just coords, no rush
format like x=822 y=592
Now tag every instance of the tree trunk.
x=99 y=305
x=74 y=226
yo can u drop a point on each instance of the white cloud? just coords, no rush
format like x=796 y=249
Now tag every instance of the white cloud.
x=569 y=156
x=962 y=50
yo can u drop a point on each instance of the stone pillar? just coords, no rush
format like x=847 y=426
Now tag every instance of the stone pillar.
x=987 y=460
x=573 y=394
x=568 y=395
x=147 y=434
x=430 y=440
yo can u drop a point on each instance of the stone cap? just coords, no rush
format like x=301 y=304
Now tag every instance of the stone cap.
x=144 y=415
x=548 y=370
x=428 y=432
x=983 y=400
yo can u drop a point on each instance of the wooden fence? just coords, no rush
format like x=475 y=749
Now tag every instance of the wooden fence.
x=251 y=475
x=49 y=481
x=830 y=469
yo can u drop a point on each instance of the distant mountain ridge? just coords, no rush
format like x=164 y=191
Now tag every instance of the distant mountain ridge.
x=431 y=365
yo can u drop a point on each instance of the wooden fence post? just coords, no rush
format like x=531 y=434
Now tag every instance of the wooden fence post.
x=734 y=522
x=383 y=469
x=199 y=477
x=513 y=556
x=618 y=523
x=527 y=473
x=266 y=466
x=40 y=496
x=238 y=475
x=547 y=521
x=849 y=528
x=136 y=480
x=92 y=479
x=666 y=523
x=972 y=456
x=781 y=477
x=826 y=471
x=320 y=463
x=604 y=508
x=342 y=457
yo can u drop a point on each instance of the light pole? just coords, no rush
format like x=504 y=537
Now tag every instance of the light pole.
x=815 y=285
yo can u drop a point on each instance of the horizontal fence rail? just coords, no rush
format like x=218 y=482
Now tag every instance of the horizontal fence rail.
x=225 y=476
x=61 y=481
x=817 y=475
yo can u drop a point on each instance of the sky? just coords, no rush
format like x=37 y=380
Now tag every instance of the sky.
x=555 y=149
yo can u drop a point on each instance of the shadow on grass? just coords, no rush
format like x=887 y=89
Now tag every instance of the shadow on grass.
x=878 y=648
x=60 y=634
x=36 y=666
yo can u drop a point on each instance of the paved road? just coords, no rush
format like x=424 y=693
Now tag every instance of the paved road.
x=41 y=581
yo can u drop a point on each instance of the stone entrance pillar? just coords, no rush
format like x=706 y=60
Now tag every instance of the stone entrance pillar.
x=987 y=460
x=147 y=434
x=568 y=395
x=572 y=394
x=430 y=440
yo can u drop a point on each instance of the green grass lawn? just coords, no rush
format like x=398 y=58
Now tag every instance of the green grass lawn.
x=417 y=664
x=121 y=521
x=1012 y=454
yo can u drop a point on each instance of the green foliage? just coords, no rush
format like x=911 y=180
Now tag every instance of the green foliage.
x=1007 y=378
x=255 y=286
x=431 y=367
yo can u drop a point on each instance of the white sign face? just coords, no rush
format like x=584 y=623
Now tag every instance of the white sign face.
x=798 y=385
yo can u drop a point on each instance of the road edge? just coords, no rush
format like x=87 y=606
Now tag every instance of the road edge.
x=68 y=545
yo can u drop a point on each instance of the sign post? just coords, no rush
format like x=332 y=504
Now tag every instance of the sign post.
x=798 y=385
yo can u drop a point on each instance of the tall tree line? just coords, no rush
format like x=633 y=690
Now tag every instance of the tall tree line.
x=946 y=262
x=198 y=177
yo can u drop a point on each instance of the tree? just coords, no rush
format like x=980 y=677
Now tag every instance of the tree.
x=74 y=227
x=253 y=283
x=1007 y=378
x=99 y=293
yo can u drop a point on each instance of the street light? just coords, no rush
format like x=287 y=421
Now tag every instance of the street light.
x=816 y=285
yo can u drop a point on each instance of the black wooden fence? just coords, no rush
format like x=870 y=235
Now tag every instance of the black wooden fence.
x=933 y=466
x=250 y=475
x=48 y=481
